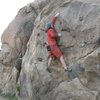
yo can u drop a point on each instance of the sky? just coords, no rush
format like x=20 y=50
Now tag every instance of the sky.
x=8 y=10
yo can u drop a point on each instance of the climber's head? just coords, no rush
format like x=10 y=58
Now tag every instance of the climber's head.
x=48 y=25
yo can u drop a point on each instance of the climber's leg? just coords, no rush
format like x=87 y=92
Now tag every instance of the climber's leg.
x=50 y=61
x=64 y=64
x=58 y=54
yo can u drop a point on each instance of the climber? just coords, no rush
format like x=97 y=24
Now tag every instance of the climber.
x=51 y=35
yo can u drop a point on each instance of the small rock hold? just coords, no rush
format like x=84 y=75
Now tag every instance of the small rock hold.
x=98 y=40
x=44 y=44
x=82 y=44
x=40 y=59
x=68 y=29
x=65 y=29
x=81 y=18
x=98 y=66
x=38 y=34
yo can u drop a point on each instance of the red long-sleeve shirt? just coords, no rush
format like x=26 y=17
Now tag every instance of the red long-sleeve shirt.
x=51 y=35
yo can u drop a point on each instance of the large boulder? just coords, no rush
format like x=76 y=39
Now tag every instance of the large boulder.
x=80 y=33
x=73 y=90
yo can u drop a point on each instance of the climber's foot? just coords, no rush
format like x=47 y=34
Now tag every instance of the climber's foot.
x=49 y=70
x=68 y=69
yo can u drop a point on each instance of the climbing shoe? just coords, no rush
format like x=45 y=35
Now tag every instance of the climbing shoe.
x=68 y=69
x=48 y=69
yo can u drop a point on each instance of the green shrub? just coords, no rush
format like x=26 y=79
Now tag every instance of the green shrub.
x=8 y=96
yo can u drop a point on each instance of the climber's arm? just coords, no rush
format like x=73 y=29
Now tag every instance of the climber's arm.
x=54 y=19
x=53 y=34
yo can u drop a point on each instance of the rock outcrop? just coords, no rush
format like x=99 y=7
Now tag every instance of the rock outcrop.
x=73 y=91
x=14 y=42
x=24 y=56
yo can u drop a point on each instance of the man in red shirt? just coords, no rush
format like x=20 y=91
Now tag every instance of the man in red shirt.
x=52 y=47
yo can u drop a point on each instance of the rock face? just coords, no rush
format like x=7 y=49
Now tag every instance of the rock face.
x=73 y=91
x=14 y=41
x=80 y=32
x=79 y=44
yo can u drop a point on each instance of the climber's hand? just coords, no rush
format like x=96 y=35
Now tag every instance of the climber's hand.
x=59 y=34
x=57 y=15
